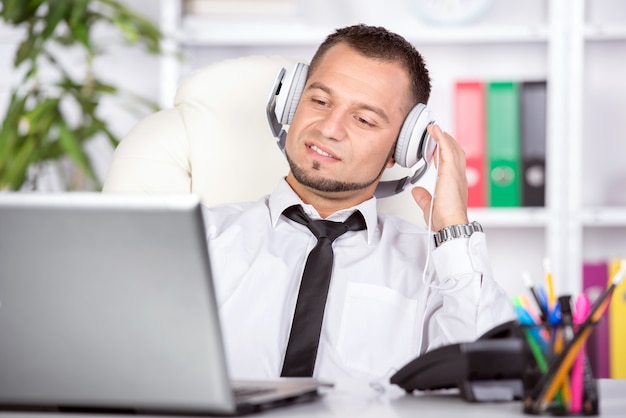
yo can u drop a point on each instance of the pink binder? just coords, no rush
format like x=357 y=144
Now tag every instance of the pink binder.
x=595 y=278
x=469 y=131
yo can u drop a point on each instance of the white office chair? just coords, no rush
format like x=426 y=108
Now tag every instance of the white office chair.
x=215 y=142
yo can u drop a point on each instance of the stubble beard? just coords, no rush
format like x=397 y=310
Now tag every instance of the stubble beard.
x=325 y=184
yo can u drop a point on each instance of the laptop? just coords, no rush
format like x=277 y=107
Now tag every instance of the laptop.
x=107 y=304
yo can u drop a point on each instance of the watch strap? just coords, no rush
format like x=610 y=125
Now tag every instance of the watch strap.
x=456 y=231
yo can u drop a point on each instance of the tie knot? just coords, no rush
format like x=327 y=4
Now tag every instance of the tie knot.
x=325 y=229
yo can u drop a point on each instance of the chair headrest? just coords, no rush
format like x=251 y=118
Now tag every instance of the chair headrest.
x=217 y=83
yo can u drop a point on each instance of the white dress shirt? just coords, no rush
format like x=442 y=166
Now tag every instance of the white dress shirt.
x=380 y=312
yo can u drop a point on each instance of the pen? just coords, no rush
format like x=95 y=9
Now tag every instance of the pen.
x=559 y=366
x=567 y=317
x=522 y=301
x=529 y=317
x=540 y=298
x=556 y=314
x=533 y=337
x=543 y=297
x=554 y=321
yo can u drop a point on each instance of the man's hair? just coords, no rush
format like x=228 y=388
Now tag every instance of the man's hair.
x=379 y=43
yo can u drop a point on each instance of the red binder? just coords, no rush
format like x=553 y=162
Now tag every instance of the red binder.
x=469 y=131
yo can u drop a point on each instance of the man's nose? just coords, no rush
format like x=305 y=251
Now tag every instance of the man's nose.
x=333 y=124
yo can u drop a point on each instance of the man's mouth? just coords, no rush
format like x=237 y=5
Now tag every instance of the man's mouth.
x=321 y=152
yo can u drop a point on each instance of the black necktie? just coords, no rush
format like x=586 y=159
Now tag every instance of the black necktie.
x=309 y=313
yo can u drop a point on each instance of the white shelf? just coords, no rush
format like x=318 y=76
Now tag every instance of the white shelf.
x=510 y=217
x=605 y=32
x=245 y=32
x=486 y=35
x=604 y=217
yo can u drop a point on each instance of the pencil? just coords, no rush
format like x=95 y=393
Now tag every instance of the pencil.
x=548 y=384
x=567 y=334
x=547 y=269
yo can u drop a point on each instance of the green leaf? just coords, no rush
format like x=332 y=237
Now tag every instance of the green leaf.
x=88 y=104
x=128 y=30
x=19 y=11
x=9 y=9
x=28 y=49
x=50 y=151
x=56 y=13
x=142 y=101
x=10 y=126
x=72 y=145
x=101 y=87
x=81 y=34
x=17 y=168
x=8 y=139
x=97 y=126
x=113 y=140
x=45 y=110
x=135 y=27
x=77 y=15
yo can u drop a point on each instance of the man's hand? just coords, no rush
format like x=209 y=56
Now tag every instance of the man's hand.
x=451 y=188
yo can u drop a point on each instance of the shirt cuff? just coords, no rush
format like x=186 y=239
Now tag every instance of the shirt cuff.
x=454 y=258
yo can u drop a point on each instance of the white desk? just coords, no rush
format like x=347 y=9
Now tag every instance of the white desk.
x=359 y=400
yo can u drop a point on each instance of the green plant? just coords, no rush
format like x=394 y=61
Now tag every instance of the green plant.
x=50 y=118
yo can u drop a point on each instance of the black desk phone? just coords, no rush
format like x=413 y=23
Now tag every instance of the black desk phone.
x=488 y=369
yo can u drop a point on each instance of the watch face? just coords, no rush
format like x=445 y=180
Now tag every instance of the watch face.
x=449 y=11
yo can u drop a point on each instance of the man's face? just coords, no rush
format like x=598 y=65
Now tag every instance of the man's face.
x=347 y=121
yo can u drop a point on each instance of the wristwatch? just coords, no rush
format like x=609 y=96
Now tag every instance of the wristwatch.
x=456 y=231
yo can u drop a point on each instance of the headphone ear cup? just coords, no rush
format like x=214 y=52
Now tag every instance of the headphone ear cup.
x=290 y=93
x=412 y=133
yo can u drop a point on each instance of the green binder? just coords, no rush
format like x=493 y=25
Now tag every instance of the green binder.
x=503 y=144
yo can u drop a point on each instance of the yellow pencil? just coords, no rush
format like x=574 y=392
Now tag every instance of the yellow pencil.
x=547 y=270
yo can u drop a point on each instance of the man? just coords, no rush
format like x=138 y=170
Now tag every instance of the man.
x=382 y=309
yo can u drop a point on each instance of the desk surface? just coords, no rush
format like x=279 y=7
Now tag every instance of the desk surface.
x=358 y=399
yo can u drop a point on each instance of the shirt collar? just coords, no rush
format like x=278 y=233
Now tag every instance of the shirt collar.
x=283 y=196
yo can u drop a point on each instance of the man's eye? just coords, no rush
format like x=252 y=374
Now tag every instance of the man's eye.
x=319 y=102
x=364 y=121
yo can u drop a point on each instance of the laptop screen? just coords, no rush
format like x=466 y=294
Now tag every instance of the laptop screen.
x=107 y=301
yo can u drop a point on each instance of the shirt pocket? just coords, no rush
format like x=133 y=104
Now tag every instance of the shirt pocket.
x=377 y=330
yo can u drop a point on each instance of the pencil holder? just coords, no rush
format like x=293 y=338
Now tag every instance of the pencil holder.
x=557 y=377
